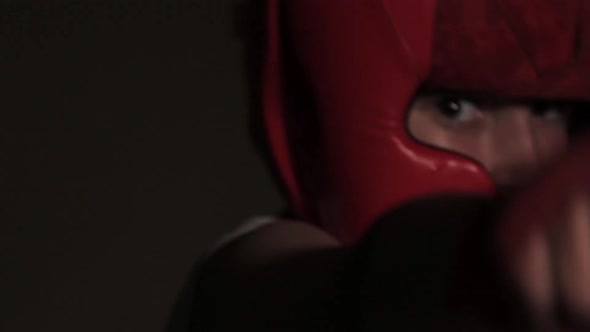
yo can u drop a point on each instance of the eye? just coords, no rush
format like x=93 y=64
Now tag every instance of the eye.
x=550 y=112
x=458 y=110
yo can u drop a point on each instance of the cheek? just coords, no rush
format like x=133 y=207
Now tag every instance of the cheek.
x=552 y=140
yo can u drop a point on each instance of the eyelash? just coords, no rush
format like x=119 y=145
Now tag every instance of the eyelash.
x=547 y=111
x=451 y=109
x=559 y=112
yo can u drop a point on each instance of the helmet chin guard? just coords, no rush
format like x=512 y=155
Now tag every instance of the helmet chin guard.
x=364 y=61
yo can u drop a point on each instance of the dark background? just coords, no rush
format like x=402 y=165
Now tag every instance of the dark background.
x=124 y=151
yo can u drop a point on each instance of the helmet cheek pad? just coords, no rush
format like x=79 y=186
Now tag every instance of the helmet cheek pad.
x=364 y=61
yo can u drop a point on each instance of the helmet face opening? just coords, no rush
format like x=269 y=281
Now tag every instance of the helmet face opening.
x=344 y=148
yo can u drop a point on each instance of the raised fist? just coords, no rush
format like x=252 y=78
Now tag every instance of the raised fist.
x=544 y=241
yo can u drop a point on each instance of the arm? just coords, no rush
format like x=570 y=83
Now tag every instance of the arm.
x=291 y=276
x=428 y=266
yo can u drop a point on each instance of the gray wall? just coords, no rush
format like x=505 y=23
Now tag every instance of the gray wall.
x=124 y=152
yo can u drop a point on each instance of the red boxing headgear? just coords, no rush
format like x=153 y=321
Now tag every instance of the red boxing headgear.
x=365 y=60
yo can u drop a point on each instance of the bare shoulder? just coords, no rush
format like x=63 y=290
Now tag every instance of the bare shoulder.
x=278 y=240
x=281 y=276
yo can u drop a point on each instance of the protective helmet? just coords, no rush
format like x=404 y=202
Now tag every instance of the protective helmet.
x=364 y=60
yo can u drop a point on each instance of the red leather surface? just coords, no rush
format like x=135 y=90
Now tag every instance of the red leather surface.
x=365 y=60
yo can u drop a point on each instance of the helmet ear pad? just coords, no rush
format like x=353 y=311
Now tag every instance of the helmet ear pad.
x=302 y=126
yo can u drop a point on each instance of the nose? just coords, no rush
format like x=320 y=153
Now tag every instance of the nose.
x=516 y=155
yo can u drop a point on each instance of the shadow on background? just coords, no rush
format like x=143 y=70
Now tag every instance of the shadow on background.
x=125 y=151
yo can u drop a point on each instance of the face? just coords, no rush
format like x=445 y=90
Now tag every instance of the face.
x=512 y=140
